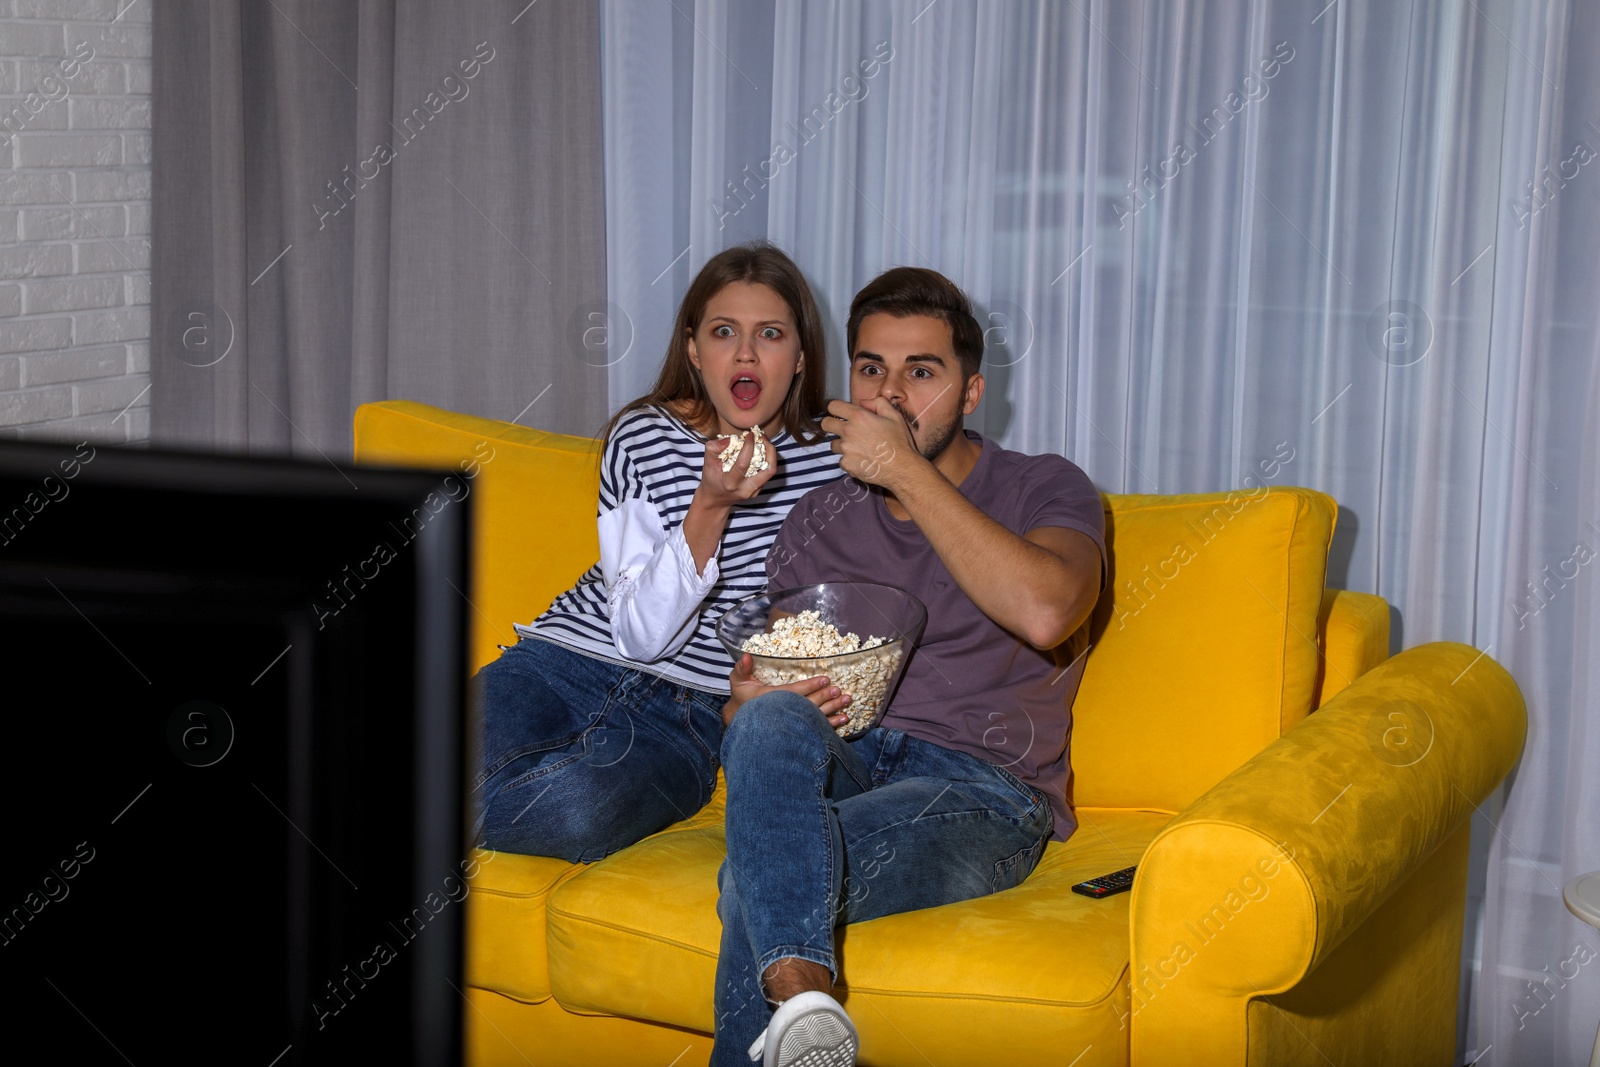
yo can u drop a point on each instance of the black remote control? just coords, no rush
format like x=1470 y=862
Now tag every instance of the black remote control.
x=1107 y=884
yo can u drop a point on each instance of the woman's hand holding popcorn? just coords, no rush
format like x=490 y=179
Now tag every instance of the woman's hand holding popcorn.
x=736 y=468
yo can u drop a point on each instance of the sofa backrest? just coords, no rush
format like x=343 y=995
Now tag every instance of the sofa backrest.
x=534 y=512
x=1203 y=653
x=1204 y=648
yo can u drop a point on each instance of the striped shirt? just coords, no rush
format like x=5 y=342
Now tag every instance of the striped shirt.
x=649 y=473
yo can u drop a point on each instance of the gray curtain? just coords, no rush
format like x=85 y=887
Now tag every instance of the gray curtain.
x=364 y=201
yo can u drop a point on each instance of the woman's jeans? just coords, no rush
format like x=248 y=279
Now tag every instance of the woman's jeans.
x=581 y=757
x=822 y=832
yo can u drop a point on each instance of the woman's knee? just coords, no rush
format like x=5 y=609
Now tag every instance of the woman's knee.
x=533 y=821
x=582 y=810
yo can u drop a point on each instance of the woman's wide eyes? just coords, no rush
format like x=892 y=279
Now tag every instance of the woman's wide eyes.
x=722 y=331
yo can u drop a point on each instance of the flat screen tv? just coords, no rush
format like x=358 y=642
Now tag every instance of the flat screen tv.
x=233 y=757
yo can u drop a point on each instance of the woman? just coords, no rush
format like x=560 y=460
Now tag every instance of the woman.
x=603 y=722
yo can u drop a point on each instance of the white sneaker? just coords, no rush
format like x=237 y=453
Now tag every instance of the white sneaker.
x=807 y=1030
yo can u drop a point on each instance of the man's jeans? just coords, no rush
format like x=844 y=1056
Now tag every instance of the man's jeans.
x=822 y=831
x=581 y=757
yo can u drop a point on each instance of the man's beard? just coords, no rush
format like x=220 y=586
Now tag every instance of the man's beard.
x=939 y=437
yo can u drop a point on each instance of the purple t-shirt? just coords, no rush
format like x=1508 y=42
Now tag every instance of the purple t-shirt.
x=970 y=685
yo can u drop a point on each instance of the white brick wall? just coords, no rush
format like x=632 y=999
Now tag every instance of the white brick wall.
x=75 y=219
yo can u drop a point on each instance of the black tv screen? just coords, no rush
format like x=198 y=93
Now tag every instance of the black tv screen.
x=233 y=771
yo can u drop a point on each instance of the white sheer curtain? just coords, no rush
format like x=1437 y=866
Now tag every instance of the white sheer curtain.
x=1206 y=236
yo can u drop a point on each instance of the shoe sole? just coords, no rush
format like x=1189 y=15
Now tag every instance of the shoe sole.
x=819 y=1039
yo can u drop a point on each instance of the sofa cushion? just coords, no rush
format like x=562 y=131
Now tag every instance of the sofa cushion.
x=506 y=911
x=534 y=526
x=505 y=921
x=637 y=935
x=1353 y=634
x=1205 y=650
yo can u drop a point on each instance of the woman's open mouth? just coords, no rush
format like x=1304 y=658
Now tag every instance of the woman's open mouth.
x=746 y=391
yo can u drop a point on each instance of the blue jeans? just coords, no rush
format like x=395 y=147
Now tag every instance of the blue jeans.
x=581 y=757
x=823 y=832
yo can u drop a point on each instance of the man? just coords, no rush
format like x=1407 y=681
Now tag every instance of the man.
x=955 y=792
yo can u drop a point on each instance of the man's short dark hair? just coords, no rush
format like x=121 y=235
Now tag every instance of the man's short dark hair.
x=906 y=291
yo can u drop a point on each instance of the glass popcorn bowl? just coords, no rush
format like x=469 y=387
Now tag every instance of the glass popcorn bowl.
x=802 y=633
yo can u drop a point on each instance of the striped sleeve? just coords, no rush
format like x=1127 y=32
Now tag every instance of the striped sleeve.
x=650 y=470
x=619 y=480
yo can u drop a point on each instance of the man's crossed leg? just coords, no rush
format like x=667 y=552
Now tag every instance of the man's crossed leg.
x=821 y=831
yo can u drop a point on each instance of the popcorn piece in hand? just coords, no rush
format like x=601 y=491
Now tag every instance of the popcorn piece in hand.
x=731 y=453
x=758 y=458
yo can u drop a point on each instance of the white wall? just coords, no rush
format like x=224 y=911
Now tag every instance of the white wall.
x=75 y=219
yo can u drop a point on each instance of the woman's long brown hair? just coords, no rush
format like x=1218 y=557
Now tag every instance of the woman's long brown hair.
x=756 y=262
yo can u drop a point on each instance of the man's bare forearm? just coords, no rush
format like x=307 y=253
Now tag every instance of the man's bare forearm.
x=1024 y=587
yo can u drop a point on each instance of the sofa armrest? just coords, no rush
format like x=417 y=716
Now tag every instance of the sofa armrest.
x=1251 y=887
x=1352 y=637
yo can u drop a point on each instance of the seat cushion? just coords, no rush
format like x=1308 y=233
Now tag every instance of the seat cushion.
x=507 y=928
x=505 y=920
x=1204 y=646
x=637 y=935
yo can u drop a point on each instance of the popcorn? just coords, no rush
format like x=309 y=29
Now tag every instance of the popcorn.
x=758 y=458
x=865 y=672
x=730 y=454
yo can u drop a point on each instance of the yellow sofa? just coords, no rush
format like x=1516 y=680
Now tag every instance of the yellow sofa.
x=1302 y=878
